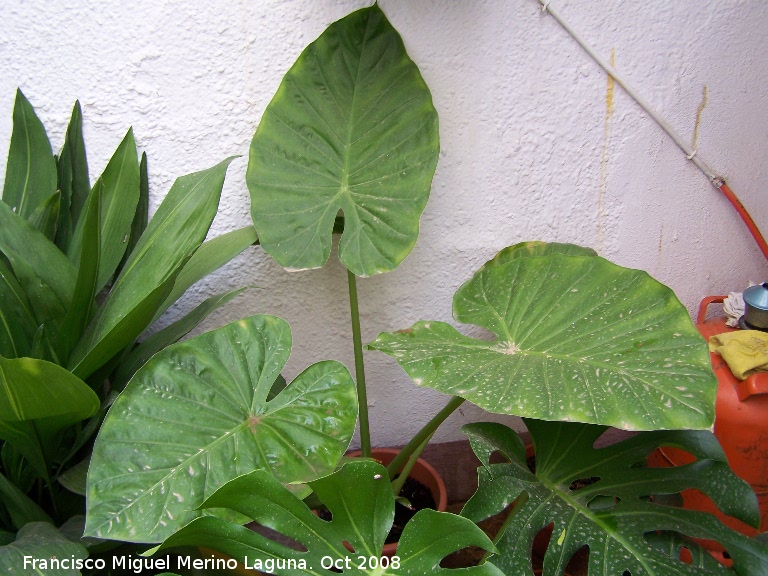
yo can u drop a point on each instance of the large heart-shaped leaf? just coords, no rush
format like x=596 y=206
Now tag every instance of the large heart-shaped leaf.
x=197 y=415
x=578 y=338
x=603 y=499
x=351 y=128
x=361 y=516
x=41 y=549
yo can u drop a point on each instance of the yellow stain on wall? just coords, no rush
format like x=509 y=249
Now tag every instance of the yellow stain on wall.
x=699 y=110
x=609 y=107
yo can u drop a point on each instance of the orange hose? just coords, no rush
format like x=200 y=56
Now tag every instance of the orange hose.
x=753 y=229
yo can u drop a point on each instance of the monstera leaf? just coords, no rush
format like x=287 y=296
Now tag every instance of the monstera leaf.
x=351 y=128
x=197 y=415
x=361 y=517
x=603 y=499
x=578 y=338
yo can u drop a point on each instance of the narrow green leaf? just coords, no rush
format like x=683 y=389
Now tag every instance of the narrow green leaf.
x=177 y=229
x=17 y=322
x=79 y=313
x=141 y=217
x=46 y=216
x=351 y=128
x=42 y=542
x=21 y=507
x=74 y=147
x=30 y=174
x=577 y=339
x=204 y=402
x=167 y=336
x=44 y=273
x=211 y=256
x=119 y=188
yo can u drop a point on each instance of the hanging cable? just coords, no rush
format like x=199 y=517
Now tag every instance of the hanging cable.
x=716 y=180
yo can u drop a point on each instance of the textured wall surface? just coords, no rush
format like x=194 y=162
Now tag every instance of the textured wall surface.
x=536 y=143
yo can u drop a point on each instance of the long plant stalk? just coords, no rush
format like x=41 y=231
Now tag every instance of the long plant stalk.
x=362 y=395
x=519 y=503
x=397 y=483
x=419 y=441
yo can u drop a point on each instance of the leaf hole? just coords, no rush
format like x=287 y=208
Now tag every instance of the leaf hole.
x=580 y=483
x=278 y=537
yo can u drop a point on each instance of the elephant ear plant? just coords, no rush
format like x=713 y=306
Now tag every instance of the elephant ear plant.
x=580 y=344
x=83 y=273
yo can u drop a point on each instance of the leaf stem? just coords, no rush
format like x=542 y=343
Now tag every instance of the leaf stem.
x=519 y=503
x=397 y=483
x=362 y=395
x=419 y=441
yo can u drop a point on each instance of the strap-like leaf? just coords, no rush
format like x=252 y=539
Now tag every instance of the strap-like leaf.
x=352 y=128
x=603 y=499
x=167 y=336
x=177 y=229
x=578 y=338
x=17 y=322
x=45 y=274
x=30 y=174
x=196 y=415
x=74 y=182
x=79 y=313
x=361 y=516
x=119 y=189
x=211 y=256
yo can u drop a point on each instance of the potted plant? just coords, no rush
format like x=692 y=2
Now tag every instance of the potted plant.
x=207 y=436
x=83 y=274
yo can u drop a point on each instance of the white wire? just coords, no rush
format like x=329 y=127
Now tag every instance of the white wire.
x=690 y=153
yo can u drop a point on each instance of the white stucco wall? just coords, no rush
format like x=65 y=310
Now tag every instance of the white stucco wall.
x=532 y=146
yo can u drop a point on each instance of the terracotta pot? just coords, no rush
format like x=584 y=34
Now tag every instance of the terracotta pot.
x=421 y=471
x=741 y=427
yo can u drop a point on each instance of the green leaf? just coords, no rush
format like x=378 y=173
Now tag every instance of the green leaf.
x=119 y=189
x=211 y=256
x=196 y=416
x=45 y=274
x=37 y=400
x=177 y=229
x=79 y=313
x=168 y=335
x=42 y=542
x=74 y=182
x=30 y=174
x=351 y=128
x=362 y=517
x=17 y=322
x=21 y=508
x=611 y=509
x=141 y=218
x=46 y=215
x=578 y=338
x=74 y=479
x=37 y=390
